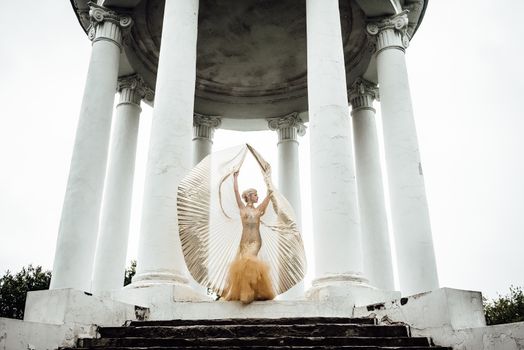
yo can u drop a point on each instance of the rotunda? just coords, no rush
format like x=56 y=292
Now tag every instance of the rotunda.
x=249 y=65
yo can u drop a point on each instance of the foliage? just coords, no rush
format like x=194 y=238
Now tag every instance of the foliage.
x=130 y=272
x=13 y=289
x=505 y=309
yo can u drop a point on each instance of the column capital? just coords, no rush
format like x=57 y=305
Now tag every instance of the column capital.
x=204 y=126
x=289 y=127
x=133 y=89
x=390 y=32
x=107 y=24
x=362 y=94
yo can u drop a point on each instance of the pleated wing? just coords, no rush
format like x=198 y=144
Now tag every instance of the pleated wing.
x=210 y=226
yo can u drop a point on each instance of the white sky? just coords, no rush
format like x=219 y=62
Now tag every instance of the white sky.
x=467 y=80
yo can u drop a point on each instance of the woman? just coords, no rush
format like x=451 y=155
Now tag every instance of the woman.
x=248 y=277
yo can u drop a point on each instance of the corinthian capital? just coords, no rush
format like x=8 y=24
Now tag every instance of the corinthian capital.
x=288 y=126
x=390 y=31
x=133 y=88
x=106 y=24
x=204 y=126
x=362 y=94
x=206 y=120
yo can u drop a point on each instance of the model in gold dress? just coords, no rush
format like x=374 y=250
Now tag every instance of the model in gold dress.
x=248 y=277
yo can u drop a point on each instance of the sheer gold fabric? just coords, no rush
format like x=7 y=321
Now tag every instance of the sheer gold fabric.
x=210 y=226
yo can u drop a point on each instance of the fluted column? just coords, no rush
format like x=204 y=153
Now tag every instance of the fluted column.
x=336 y=224
x=375 y=236
x=77 y=235
x=288 y=129
x=409 y=208
x=203 y=131
x=110 y=260
x=160 y=258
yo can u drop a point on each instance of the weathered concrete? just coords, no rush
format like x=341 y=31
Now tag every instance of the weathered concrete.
x=24 y=335
x=68 y=306
x=160 y=258
x=77 y=234
x=336 y=223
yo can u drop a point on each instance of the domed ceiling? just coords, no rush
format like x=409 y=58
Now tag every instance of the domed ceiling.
x=251 y=59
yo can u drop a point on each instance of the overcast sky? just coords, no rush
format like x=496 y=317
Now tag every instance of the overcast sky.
x=467 y=82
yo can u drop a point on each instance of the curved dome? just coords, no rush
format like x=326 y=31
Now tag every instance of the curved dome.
x=251 y=59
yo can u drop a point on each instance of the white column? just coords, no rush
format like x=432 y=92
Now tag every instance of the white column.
x=289 y=128
x=336 y=224
x=411 y=225
x=375 y=236
x=111 y=252
x=203 y=131
x=160 y=258
x=75 y=248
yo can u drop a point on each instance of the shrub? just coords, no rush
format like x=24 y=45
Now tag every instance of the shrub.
x=505 y=309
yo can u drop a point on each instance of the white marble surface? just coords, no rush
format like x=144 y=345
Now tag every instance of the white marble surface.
x=75 y=248
x=376 y=247
x=170 y=150
x=336 y=226
x=409 y=209
x=111 y=252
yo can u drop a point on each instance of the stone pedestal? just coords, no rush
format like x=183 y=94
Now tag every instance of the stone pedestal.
x=68 y=306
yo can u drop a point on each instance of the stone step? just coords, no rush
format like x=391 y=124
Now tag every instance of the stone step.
x=253 y=321
x=260 y=330
x=334 y=347
x=255 y=341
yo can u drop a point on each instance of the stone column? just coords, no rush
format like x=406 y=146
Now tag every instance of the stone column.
x=203 y=131
x=336 y=223
x=289 y=128
x=160 y=259
x=75 y=248
x=374 y=223
x=411 y=225
x=110 y=260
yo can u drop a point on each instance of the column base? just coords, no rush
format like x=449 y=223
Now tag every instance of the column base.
x=160 y=287
x=352 y=287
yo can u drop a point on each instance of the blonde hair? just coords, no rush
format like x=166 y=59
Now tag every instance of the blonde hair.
x=247 y=192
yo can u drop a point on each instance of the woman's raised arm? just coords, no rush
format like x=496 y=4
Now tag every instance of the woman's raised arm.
x=263 y=206
x=237 y=194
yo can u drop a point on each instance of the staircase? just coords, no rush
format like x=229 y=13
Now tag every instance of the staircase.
x=284 y=333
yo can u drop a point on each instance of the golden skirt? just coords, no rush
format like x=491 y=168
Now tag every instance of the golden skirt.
x=248 y=280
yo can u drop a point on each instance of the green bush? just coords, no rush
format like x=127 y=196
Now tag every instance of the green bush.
x=13 y=289
x=505 y=309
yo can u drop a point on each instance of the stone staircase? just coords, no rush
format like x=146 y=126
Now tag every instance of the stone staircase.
x=283 y=333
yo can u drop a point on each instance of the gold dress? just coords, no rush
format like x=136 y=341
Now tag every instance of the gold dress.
x=251 y=256
x=248 y=277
